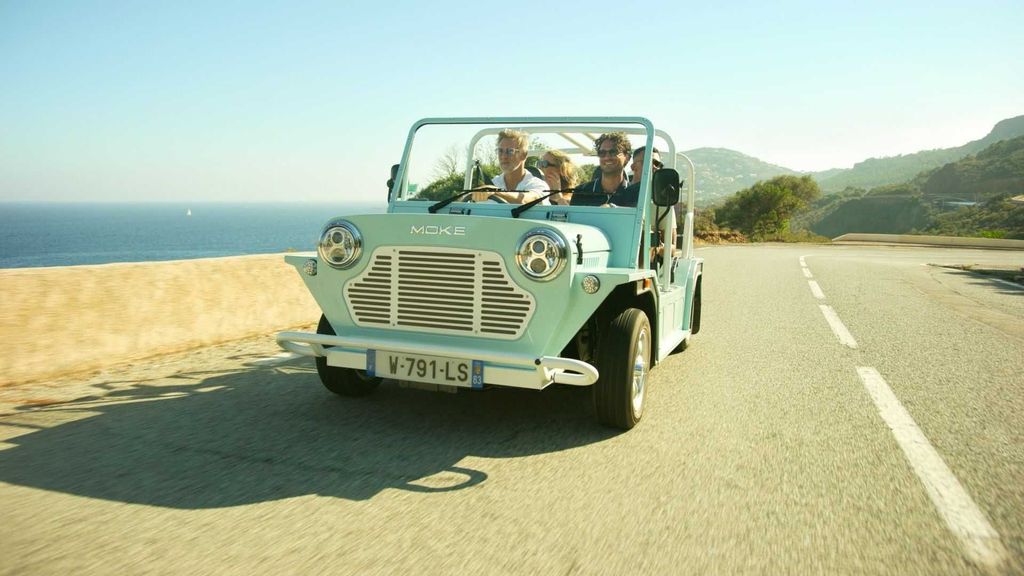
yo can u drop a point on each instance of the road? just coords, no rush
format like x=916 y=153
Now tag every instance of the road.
x=871 y=422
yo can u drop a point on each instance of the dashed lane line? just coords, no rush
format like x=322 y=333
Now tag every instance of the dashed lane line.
x=816 y=290
x=963 y=517
x=838 y=328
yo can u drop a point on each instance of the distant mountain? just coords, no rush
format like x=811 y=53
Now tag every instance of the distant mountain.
x=721 y=172
x=875 y=172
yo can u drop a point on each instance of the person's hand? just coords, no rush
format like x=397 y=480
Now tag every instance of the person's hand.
x=483 y=193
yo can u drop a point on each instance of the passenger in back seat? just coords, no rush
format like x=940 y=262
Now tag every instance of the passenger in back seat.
x=560 y=174
x=657 y=243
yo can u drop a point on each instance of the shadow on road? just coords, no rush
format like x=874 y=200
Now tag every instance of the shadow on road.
x=1001 y=280
x=261 y=434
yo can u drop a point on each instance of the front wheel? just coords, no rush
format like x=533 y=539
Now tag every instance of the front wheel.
x=625 y=359
x=342 y=381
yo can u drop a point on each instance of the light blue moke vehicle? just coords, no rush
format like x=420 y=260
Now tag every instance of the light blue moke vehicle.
x=459 y=294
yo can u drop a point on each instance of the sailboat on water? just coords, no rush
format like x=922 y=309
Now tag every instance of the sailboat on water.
x=188 y=212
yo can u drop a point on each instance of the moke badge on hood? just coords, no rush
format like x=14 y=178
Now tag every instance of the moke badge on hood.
x=434 y=230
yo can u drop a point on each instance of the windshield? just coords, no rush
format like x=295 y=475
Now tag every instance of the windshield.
x=519 y=161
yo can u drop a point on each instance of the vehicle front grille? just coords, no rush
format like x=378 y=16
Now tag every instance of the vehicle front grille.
x=440 y=290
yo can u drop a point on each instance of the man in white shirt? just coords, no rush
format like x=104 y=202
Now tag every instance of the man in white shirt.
x=515 y=185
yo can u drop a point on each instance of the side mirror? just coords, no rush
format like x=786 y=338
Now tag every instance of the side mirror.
x=391 y=181
x=665 y=189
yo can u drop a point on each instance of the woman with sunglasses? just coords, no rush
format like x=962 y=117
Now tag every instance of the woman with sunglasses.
x=559 y=173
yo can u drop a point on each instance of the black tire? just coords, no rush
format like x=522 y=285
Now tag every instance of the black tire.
x=625 y=360
x=342 y=381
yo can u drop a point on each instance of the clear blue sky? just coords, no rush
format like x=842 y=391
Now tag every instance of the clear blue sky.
x=255 y=101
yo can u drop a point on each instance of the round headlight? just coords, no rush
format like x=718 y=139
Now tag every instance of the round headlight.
x=340 y=244
x=541 y=254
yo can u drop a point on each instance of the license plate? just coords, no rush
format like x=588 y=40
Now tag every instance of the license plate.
x=422 y=368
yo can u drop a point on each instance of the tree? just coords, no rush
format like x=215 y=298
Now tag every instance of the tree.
x=449 y=184
x=766 y=208
x=449 y=162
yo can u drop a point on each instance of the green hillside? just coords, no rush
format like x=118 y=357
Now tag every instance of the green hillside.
x=995 y=171
x=877 y=214
x=968 y=197
x=875 y=172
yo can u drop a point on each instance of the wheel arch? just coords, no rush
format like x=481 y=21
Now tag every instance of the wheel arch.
x=630 y=295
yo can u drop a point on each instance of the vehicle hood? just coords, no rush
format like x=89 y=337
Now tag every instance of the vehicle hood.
x=495 y=234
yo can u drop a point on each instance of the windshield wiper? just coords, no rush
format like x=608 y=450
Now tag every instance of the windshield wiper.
x=448 y=201
x=520 y=209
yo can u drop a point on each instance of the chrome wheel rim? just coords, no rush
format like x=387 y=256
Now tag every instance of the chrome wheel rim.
x=640 y=372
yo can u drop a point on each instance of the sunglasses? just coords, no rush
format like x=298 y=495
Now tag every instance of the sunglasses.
x=507 y=151
x=608 y=152
x=542 y=164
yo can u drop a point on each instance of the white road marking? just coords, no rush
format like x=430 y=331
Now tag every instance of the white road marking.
x=816 y=290
x=803 y=263
x=962 y=516
x=275 y=359
x=807 y=272
x=845 y=338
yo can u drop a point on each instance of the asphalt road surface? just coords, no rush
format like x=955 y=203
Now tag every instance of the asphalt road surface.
x=845 y=409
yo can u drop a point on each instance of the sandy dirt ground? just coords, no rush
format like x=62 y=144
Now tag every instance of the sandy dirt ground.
x=58 y=321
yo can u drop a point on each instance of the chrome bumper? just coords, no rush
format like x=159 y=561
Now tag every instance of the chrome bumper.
x=500 y=369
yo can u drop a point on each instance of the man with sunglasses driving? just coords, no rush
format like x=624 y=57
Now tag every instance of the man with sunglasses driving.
x=515 y=184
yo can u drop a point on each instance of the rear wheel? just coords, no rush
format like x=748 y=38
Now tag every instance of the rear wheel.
x=342 y=381
x=625 y=359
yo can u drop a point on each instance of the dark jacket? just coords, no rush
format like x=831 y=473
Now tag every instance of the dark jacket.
x=591 y=194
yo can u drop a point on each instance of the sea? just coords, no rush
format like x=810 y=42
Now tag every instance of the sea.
x=35 y=234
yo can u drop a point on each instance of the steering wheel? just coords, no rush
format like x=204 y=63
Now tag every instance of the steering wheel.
x=491 y=197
